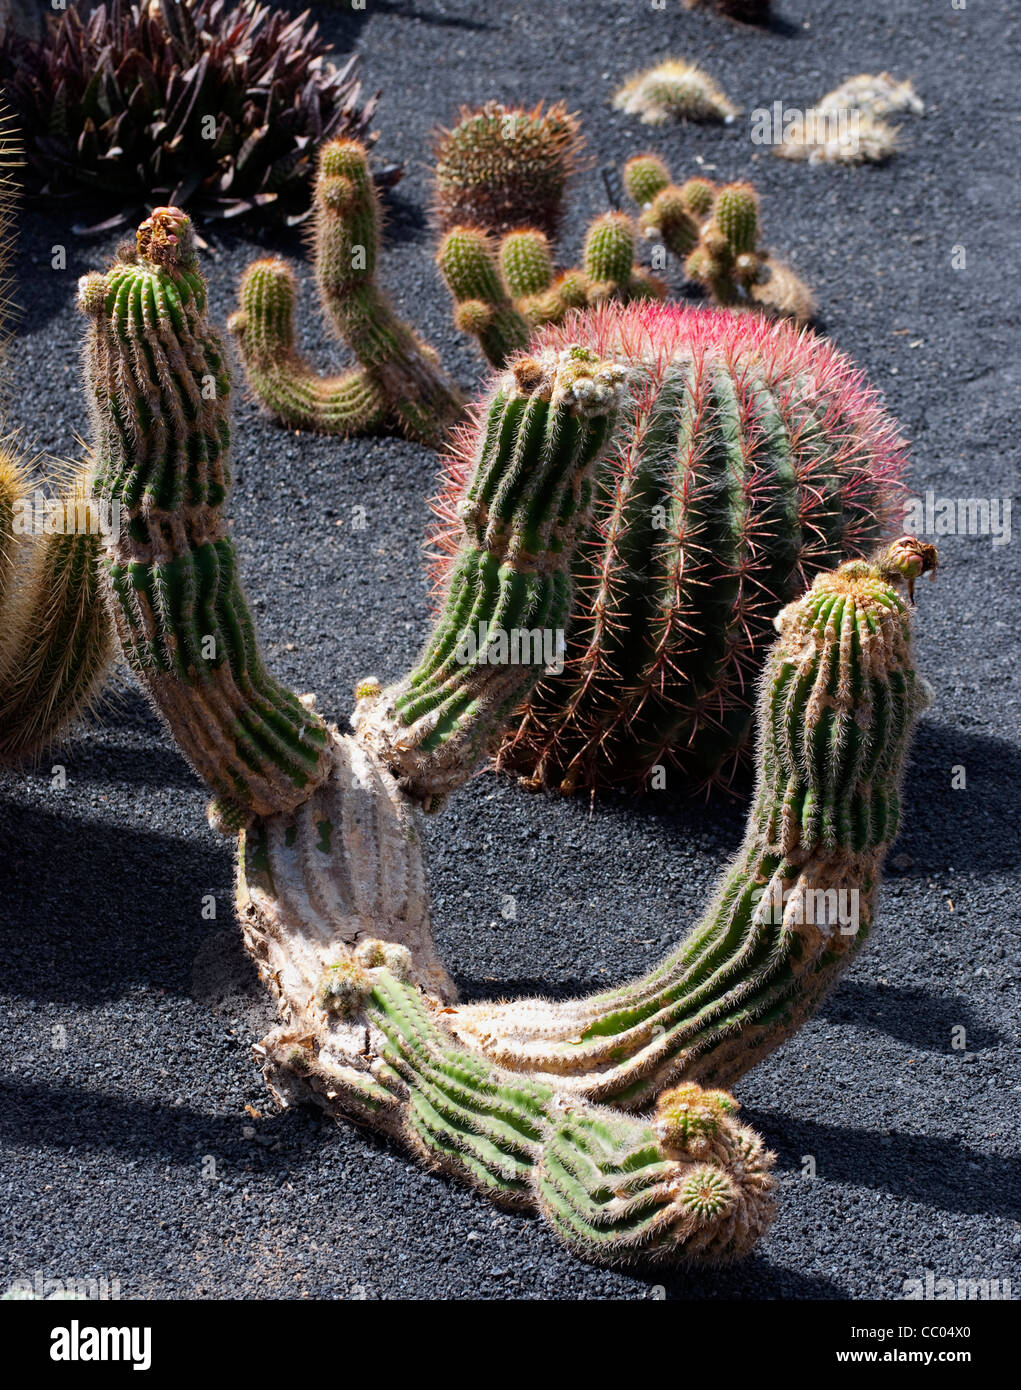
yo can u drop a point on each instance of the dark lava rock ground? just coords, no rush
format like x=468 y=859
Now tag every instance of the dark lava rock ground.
x=124 y=1058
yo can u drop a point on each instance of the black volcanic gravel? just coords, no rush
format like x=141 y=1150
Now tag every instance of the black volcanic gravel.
x=124 y=1057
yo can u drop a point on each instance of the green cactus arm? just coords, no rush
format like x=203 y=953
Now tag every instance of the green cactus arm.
x=332 y=903
x=282 y=379
x=159 y=387
x=530 y=492
x=483 y=306
x=839 y=698
x=398 y=384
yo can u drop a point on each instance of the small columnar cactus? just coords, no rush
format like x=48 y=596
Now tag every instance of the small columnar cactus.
x=331 y=884
x=748 y=457
x=715 y=233
x=398 y=384
x=504 y=290
x=674 y=90
x=838 y=702
x=502 y=167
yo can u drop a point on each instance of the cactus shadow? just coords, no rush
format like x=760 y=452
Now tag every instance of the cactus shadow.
x=909 y=1014
x=934 y=1171
x=91 y=910
x=974 y=826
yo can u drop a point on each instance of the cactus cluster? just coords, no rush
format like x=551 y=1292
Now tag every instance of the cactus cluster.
x=674 y=90
x=502 y=167
x=398 y=384
x=714 y=232
x=504 y=290
x=55 y=640
x=118 y=101
x=331 y=887
x=747 y=458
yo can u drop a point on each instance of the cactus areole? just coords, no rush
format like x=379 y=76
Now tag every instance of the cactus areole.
x=749 y=456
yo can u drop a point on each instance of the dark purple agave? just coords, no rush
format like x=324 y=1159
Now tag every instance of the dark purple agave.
x=197 y=103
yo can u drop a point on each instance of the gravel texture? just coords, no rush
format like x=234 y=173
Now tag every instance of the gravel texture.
x=141 y=1145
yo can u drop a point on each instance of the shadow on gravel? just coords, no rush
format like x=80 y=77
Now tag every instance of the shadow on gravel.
x=124 y=905
x=909 y=1014
x=937 y=1172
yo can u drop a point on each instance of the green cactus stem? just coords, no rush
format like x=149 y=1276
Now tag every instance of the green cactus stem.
x=331 y=883
x=56 y=643
x=159 y=387
x=398 y=384
x=748 y=457
x=839 y=698
x=715 y=233
x=510 y=591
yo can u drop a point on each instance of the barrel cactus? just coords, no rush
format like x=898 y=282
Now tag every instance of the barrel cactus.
x=748 y=457
x=502 y=167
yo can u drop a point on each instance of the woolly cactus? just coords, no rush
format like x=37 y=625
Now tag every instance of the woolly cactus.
x=398 y=384
x=747 y=458
x=331 y=885
x=503 y=167
x=838 y=701
x=847 y=126
x=674 y=90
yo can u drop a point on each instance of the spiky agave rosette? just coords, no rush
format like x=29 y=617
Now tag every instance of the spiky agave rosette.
x=749 y=457
x=217 y=106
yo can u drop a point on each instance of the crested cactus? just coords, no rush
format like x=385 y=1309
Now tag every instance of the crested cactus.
x=331 y=883
x=502 y=167
x=398 y=384
x=747 y=458
x=838 y=700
